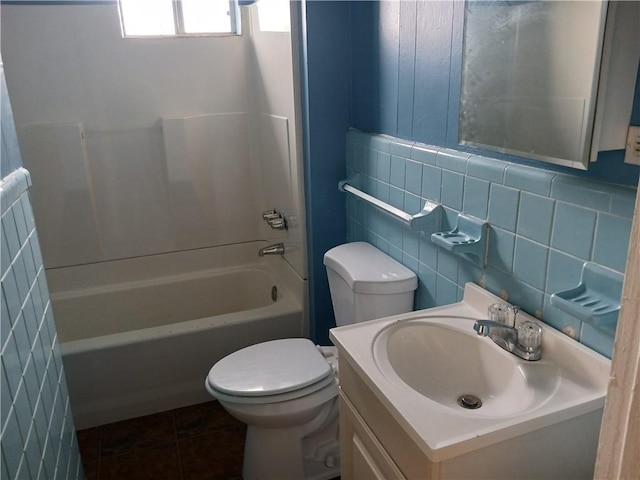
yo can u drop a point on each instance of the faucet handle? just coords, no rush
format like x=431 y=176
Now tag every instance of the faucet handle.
x=278 y=223
x=501 y=313
x=270 y=215
x=529 y=336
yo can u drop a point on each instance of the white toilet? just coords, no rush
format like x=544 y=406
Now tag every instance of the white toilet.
x=286 y=390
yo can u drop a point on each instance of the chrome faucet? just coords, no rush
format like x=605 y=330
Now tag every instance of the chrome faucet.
x=525 y=341
x=275 y=249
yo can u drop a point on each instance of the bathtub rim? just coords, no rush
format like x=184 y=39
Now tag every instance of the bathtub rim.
x=85 y=280
x=184 y=262
x=287 y=305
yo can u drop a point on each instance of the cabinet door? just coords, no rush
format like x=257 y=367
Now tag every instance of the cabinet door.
x=362 y=456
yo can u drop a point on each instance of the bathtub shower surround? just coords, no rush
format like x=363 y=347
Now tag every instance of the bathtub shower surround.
x=38 y=436
x=158 y=323
x=543 y=226
x=161 y=145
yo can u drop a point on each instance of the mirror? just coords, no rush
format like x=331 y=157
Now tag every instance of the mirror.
x=530 y=78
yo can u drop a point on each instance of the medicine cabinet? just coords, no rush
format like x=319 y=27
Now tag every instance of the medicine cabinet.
x=549 y=80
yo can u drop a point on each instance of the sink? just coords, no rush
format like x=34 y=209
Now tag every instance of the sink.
x=443 y=359
x=420 y=364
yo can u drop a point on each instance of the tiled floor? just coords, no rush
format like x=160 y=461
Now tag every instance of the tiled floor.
x=192 y=443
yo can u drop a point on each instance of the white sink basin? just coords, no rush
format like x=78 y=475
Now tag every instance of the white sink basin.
x=443 y=359
x=418 y=364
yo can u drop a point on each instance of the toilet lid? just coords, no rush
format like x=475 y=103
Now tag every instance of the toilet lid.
x=269 y=368
x=329 y=383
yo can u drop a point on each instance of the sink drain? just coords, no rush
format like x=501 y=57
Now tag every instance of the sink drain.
x=469 y=401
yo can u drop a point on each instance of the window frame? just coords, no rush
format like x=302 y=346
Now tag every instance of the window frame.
x=178 y=23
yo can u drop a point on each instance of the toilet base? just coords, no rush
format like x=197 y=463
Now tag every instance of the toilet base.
x=309 y=452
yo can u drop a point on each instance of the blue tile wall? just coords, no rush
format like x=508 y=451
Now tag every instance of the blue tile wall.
x=10 y=152
x=395 y=68
x=37 y=436
x=542 y=226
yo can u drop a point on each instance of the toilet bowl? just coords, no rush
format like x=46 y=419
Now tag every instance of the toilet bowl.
x=286 y=390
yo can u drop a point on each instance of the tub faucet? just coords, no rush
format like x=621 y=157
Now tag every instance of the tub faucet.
x=525 y=341
x=275 y=249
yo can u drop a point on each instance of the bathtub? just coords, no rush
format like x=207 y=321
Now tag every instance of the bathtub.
x=138 y=336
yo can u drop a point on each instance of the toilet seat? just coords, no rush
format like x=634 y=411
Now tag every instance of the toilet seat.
x=280 y=397
x=269 y=372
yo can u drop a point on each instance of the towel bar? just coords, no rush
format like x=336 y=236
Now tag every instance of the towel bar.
x=421 y=221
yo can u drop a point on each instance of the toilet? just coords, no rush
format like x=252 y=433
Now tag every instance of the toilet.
x=286 y=391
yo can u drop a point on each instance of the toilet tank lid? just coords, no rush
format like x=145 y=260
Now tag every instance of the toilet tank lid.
x=368 y=270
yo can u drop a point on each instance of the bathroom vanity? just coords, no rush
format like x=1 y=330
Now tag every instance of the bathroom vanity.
x=401 y=379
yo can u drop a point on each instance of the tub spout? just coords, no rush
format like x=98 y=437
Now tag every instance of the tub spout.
x=275 y=249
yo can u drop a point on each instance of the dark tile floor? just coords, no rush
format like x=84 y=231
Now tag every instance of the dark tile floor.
x=191 y=443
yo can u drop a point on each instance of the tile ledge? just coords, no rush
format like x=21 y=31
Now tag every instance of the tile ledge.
x=12 y=186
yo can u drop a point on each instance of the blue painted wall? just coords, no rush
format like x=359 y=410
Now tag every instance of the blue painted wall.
x=407 y=59
x=404 y=80
x=326 y=56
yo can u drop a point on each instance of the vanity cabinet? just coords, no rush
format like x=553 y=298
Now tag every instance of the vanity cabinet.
x=374 y=445
x=365 y=457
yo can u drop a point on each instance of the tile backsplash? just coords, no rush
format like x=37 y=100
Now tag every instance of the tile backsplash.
x=543 y=225
x=37 y=431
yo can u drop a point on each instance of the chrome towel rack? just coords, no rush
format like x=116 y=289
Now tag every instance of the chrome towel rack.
x=421 y=221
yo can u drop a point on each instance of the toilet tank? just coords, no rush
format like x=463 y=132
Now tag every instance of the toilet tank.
x=365 y=283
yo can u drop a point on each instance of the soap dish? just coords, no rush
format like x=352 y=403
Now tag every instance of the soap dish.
x=468 y=239
x=596 y=299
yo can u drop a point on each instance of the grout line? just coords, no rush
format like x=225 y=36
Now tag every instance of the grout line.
x=177 y=447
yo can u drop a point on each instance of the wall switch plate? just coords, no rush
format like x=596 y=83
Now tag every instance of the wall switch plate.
x=632 y=152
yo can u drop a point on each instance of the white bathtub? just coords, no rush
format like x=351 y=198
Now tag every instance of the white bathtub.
x=138 y=336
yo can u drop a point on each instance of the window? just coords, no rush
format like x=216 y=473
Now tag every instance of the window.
x=273 y=16
x=143 y=18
